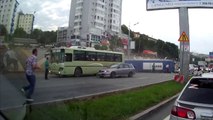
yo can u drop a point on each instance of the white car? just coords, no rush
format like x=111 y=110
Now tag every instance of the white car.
x=195 y=102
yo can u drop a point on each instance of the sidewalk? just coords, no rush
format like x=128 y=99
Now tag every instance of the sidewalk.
x=11 y=100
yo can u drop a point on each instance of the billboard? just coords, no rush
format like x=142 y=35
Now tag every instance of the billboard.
x=171 y=4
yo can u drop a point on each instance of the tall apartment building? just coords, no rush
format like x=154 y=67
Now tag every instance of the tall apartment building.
x=62 y=34
x=8 y=14
x=25 y=21
x=91 y=20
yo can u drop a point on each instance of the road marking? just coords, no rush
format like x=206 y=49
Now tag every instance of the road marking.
x=167 y=118
x=142 y=78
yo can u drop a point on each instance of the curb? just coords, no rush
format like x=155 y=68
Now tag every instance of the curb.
x=84 y=97
x=147 y=111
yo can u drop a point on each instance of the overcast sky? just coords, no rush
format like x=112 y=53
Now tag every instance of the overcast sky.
x=160 y=24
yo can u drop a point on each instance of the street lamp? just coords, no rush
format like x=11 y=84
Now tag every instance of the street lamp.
x=129 y=41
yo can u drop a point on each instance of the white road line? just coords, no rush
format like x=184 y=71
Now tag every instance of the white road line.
x=141 y=78
x=167 y=118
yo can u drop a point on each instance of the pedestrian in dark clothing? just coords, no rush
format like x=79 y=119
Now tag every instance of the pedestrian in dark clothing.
x=46 y=65
x=167 y=68
x=31 y=66
x=153 y=67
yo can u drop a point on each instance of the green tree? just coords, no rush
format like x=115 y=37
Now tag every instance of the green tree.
x=50 y=36
x=125 y=29
x=20 y=33
x=44 y=37
x=104 y=47
x=173 y=50
x=115 y=43
x=164 y=49
x=36 y=34
x=3 y=30
x=159 y=48
x=97 y=47
x=100 y=47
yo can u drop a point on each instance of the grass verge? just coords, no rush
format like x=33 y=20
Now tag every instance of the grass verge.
x=118 y=106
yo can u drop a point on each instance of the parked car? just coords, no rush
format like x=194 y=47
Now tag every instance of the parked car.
x=121 y=69
x=195 y=102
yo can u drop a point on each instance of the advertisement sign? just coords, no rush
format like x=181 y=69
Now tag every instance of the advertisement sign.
x=132 y=45
x=171 y=4
x=149 y=66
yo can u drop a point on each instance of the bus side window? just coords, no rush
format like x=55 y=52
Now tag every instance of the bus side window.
x=109 y=57
x=100 y=56
x=68 y=57
x=117 y=58
x=79 y=55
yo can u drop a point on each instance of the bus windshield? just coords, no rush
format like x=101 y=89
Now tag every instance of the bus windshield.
x=57 y=56
x=60 y=56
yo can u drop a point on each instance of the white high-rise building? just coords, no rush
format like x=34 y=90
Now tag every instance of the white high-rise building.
x=62 y=34
x=8 y=14
x=91 y=20
x=26 y=21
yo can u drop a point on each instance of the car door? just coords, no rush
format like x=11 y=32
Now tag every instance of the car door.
x=126 y=69
x=119 y=70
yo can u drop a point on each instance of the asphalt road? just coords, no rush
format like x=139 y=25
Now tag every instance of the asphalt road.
x=58 y=89
x=162 y=113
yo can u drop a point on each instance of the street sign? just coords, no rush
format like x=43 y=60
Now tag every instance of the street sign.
x=132 y=45
x=183 y=37
x=186 y=48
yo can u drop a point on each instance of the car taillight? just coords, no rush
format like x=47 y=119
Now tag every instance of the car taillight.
x=183 y=112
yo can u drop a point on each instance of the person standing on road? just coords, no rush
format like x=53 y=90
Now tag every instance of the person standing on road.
x=153 y=67
x=167 y=68
x=31 y=66
x=46 y=65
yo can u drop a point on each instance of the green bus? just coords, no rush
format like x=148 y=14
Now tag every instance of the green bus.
x=79 y=61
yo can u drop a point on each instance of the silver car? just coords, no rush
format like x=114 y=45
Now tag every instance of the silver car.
x=195 y=102
x=121 y=69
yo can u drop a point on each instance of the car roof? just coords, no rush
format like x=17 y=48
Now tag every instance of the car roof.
x=207 y=75
x=204 y=75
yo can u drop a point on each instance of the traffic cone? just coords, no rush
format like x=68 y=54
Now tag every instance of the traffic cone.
x=181 y=80
x=176 y=78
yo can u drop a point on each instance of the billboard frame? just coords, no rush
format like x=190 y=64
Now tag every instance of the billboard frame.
x=185 y=2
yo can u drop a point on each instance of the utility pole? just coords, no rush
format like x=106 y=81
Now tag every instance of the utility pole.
x=184 y=46
x=129 y=41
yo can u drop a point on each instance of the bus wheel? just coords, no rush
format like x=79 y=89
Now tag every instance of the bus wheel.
x=130 y=74
x=78 y=72
x=113 y=74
